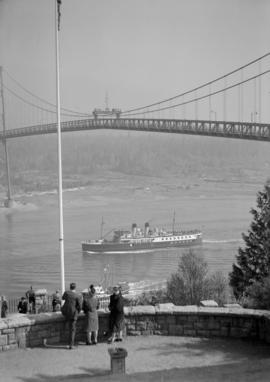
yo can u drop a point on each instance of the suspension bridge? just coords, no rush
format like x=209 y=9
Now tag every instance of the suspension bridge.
x=234 y=105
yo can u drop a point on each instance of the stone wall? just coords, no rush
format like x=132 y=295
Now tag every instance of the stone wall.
x=165 y=319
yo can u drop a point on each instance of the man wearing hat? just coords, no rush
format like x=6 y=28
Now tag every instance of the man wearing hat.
x=71 y=310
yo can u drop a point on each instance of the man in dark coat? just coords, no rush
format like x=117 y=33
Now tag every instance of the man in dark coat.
x=71 y=310
x=116 y=320
x=23 y=306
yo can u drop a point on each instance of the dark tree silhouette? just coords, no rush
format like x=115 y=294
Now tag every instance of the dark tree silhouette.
x=253 y=261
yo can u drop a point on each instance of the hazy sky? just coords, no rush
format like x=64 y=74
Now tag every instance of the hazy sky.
x=139 y=51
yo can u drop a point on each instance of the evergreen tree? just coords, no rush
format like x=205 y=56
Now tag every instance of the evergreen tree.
x=253 y=261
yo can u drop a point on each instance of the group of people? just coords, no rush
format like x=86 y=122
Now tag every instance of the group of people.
x=73 y=304
x=27 y=303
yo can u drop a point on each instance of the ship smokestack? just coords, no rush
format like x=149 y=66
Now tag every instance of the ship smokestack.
x=134 y=229
x=146 y=229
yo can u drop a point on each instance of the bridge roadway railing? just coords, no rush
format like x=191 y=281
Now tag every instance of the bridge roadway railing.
x=241 y=130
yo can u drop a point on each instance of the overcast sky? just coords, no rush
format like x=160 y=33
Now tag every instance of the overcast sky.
x=139 y=51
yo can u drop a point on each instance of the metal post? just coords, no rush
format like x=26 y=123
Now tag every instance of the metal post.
x=260 y=96
x=224 y=101
x=255 y=100
x=196 y=106
x=210 y=103
x=60 y=191
x=8 y=202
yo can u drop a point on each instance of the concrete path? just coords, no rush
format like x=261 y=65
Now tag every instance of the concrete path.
x=153 y=358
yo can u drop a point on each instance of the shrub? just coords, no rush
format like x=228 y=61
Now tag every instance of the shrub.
x=149 y=298
x=189 y=285
x=218 y=288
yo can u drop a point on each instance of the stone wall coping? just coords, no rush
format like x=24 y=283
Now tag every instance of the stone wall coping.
x=139 y=310
x=17 y=321
x=20 y=320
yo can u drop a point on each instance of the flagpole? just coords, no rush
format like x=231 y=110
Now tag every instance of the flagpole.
x=60 y=190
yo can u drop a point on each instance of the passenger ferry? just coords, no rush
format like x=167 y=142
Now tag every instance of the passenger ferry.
x=138 y=240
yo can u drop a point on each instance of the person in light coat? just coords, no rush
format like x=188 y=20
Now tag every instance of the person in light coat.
x=90 y=307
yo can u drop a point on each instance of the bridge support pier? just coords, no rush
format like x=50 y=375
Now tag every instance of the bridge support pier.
x=8 y=202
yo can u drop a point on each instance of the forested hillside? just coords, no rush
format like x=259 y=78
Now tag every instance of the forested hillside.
x=86 y=155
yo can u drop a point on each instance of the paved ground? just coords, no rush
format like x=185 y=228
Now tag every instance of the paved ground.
x=153 y=358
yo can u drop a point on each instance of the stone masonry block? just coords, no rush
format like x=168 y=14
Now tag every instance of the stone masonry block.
x=134 y=333
x=161 y=319
x=190 y=332
x=226 y=323
x=35 y=342
x=267 y=338
x=214 y=333
x=246 y=323
x=213 y=324
x=21 y=340
x=200 y=325
x=147 y=332
x=141 y=325
x=35 y=329
x=8 y=331
x=42 y=334
x=176 y=330
x=238 y=333
x=224 y=331
x=3 y=340
x=192 y=318
x=181 y=319
x=10 y=347
x=131 y=327
x=53 y=340
x=236 y=322
x=150 y=325
x=171 y=320
x=11 y=338
x=203 y=333
x=188 y=325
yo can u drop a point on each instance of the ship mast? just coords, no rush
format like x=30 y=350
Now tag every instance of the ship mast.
x=101 y=228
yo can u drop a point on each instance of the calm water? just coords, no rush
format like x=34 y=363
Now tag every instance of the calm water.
x=29 y=252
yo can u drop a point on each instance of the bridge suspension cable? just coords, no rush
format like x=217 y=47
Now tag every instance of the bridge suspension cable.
x=201 y=97
x=40 y=107
x=196 y=88
x=70 y=113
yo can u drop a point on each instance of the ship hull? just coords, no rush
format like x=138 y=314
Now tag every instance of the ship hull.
x=137 y=247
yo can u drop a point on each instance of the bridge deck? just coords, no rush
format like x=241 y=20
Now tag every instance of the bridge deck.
x=240 y=130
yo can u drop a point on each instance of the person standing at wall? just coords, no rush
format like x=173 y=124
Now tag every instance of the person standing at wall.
x=56 y=301
x=4 y=307
x=116 y=319
x=90 y=307
x=23 y=306
x=70 y=310
x=31 y=297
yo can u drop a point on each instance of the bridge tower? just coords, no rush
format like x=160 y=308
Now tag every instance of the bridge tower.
x=8 y=202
